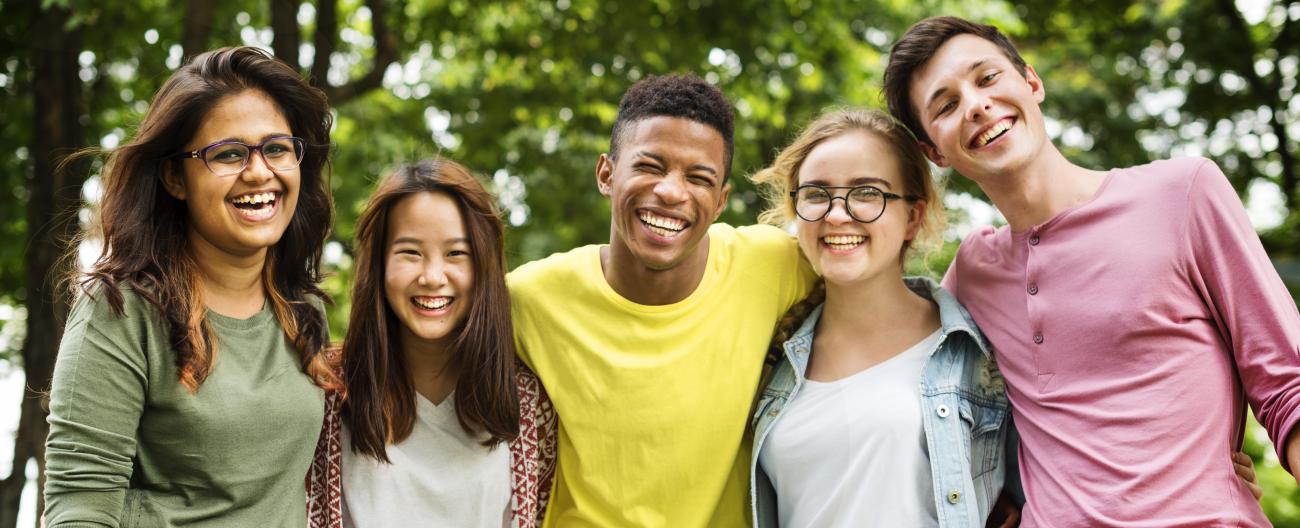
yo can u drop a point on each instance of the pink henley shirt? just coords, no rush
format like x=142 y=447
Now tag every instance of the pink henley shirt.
x=1121 y=326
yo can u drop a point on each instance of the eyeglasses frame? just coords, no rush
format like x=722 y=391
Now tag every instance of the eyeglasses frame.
x=794 y=199
x=202 y=153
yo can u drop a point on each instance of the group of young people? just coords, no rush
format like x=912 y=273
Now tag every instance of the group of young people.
x=687 y=373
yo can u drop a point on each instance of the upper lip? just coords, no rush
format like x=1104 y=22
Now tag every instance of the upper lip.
x=842 y=234
x=974 y=137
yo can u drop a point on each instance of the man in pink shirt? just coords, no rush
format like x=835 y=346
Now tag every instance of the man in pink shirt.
x=1133 y=310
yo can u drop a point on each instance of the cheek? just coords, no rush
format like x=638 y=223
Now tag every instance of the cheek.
x=807 y=233
x=396 y=277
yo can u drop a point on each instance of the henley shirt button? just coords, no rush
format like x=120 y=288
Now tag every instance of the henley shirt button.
x=1033 y=240
x=942 y=411
x=954 y=496
x=1038 y=339
x=1033 y=288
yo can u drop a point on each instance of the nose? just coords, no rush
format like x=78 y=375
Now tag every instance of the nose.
x=979 y=106
x=257 y=171
x=838 y=215
x=434 y=273
x=671 y=189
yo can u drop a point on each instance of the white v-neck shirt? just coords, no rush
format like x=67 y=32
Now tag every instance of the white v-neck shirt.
x=852 y=452
x=439 y=476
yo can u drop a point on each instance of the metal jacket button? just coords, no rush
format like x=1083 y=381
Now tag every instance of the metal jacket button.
x=954 y=496
x=942 y=411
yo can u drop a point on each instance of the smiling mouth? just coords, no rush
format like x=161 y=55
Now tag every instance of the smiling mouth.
x=256 y=207
x=431 y=304
x=843 y=242
x=993 y=133
x=662 y=225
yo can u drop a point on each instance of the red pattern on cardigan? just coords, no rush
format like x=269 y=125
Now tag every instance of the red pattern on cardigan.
x=532 y=456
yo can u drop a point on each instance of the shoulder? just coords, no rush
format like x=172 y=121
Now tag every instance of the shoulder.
x=980 y=244
x=556 y=268
x=759 y=240
x=1175 y=175
x=121 y=304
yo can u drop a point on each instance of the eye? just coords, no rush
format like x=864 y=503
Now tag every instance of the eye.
x=647 y=167
x=228 y=154
x=947 y=107
x=989 y=78
x=701 y=180
x=458 y=253
x=409 y=252
x=276 y=149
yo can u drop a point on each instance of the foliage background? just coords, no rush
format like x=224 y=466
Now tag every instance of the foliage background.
x=525 y=93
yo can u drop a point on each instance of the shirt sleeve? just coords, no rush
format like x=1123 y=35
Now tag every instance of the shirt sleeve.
x=1255 y=314
x=97 y=396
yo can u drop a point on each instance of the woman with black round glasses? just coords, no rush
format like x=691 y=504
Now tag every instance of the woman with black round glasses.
x=885 y=407
x=189 y=388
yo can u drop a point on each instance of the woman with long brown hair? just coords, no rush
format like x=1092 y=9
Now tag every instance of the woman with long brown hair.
x=434 y=390
x=188 y=389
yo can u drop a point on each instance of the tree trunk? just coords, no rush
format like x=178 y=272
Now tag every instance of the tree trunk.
x=286 y=37
x=51 y=223
x=200 y=15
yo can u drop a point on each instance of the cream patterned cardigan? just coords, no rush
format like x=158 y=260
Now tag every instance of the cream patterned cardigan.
x=532 y=456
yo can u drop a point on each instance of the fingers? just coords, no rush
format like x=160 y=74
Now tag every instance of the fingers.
x=1245 y=468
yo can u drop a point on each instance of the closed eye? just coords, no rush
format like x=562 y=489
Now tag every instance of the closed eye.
x=647 y=167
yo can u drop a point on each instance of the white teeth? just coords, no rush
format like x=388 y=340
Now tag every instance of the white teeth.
x=431 y=304
x=670 y=224
x=254 y=199
x=994 y=132
x=843 y=240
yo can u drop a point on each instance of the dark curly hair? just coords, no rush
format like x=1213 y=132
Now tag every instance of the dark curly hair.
x=915 y=48
x=686 y=96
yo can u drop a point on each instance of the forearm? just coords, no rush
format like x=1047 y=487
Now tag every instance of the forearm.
x=1293 y=454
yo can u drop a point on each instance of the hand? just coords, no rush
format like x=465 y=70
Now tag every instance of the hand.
x=1245 y=468
x=1004 y=514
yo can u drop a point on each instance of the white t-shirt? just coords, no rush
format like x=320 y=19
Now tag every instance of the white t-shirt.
x=851 y=452
x=439 y=476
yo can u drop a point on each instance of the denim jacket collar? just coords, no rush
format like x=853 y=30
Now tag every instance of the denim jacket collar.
x=952 y=318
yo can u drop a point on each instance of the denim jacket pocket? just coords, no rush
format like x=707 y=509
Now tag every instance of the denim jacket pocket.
x=985 y=423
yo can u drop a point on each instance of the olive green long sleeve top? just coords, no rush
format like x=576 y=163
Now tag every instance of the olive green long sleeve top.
x=130 y=447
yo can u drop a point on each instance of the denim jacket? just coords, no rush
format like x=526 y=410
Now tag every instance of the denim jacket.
x=965 y=415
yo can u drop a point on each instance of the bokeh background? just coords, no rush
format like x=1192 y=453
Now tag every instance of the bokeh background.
x=525 y=93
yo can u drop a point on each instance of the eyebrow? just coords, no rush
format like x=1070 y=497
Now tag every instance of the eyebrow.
x=241 y=140
x=417 y=241
x=698 y=166
x=856 y=182
x=944 y=89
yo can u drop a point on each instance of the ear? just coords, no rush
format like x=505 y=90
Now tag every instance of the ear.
x=722 y=200
x=604 y=174
x=1035 y=83
x=933 y=153
x=915 y=216
x=173 y=182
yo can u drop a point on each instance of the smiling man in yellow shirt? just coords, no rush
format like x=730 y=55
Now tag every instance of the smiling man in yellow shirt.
x=651 y=346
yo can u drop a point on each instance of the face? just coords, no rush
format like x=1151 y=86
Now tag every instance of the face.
x=844 y=250
x=239 y=214
x=428 y=271
x=981 y=114
x=665 y=189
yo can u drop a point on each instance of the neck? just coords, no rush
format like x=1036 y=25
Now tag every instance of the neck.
x=232 y=284
x=878 y=306
x=653 y=287
x=430 y=365
x=1041 y=189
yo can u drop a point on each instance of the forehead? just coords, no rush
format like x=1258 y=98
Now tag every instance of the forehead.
x=853 y=158
x=247 y=116
x=952 y=61
x=426 y=216
x=675 y=139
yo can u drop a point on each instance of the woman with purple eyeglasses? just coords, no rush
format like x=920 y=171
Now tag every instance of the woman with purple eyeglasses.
x=189 y=387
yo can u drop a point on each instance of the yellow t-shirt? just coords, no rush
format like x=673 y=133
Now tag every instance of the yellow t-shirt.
x=653 y=400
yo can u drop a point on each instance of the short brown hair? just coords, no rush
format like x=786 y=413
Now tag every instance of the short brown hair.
x=915 y=48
